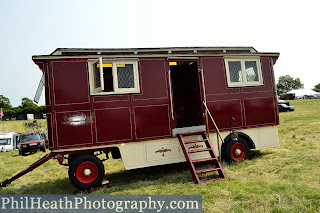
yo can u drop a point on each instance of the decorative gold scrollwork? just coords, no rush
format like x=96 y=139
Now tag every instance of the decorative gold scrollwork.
x=163 y=150
x=195 y=146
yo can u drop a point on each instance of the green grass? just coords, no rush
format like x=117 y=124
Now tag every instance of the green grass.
x=283 y=179
x=19 y=126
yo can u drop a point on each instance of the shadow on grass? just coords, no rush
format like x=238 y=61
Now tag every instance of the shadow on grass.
x=26 y=154
x=122 y=180
x=154 y=173
x=258 y=154
x=171 y=173
x=143 y=177
x=59 y=186
x=130 y=178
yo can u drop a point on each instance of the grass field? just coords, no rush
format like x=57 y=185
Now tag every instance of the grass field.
x=283 y=179
x=19 y=126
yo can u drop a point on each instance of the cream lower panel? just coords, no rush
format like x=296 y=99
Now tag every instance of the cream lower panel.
x=268 y=137
x=151 y=153
x=164 y=151
x=133 y=155
x=253 y=133
x=158 y=152
x=167 y=151
x=263 y=137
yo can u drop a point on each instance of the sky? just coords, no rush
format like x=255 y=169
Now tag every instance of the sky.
x=38 y=27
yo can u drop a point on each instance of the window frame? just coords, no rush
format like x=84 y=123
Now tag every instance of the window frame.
x=245 y=82
x=114 y=62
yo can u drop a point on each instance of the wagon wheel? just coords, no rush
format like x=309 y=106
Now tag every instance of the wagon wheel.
x=86 y=171
x=237 y=150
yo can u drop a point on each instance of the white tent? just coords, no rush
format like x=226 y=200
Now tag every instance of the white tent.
x=302 y=92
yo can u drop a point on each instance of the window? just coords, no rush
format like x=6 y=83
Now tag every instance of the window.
x=113 y=77
x=30 y=137
x=5 y=141
x=243 y=72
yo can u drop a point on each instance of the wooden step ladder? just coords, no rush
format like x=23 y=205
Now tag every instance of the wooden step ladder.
x=191 y=163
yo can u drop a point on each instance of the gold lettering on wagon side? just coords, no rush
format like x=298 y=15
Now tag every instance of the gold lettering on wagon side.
x=195 y=146
x=163 y=150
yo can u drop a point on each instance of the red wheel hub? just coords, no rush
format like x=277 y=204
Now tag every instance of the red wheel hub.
x=238 y=151
x=87 y=172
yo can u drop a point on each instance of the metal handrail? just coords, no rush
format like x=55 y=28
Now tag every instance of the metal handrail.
x=170 y=91
x=215 y=125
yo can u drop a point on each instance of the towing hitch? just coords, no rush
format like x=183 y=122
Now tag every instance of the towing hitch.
x=36 y=164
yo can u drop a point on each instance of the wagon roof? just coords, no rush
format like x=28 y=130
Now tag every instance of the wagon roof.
x=165 y=51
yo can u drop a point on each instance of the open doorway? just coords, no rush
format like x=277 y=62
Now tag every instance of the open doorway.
x=186 y=94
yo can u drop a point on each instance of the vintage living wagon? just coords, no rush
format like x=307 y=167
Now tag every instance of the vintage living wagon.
x=139 y=103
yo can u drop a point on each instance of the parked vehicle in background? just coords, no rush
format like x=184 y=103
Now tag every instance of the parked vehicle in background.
x=30 y=142
x=284 y=102
x=314 y=96
x=287 y=96
x=8 y=141
x=285 y=108
x=45 y=138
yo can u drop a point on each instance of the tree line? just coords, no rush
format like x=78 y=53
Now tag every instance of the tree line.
x=27 y=107
x=286 y=83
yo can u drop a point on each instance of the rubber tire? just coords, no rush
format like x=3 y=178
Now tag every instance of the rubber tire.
x=228 y=154
x=73 y=168
x=71 y=158
x=23 y=153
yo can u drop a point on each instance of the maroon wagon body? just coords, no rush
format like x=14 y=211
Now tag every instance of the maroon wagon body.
x=77 y=119
x=162 y=94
